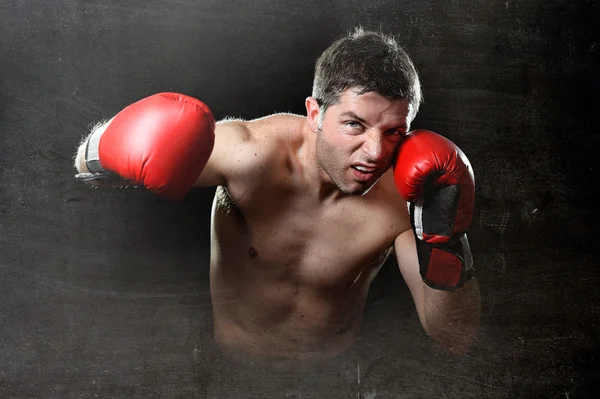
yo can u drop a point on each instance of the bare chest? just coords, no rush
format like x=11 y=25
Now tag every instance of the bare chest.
x=281 y=236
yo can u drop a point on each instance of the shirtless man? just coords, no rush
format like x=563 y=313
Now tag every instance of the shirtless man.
x=307 y=208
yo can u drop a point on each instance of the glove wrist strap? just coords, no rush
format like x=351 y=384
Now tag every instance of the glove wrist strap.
x=446 y=266
x=92 y=155
x=92 y=160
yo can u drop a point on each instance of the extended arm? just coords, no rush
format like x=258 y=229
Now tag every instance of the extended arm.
x=167 y=142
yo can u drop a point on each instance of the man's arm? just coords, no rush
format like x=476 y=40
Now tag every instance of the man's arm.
x=436 y=177
x=449 y=317
x=230 y=155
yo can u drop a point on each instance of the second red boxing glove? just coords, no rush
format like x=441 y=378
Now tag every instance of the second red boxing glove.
x=435 y=176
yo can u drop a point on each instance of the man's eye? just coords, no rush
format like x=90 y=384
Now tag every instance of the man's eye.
x=393 y=132
x=352 y=124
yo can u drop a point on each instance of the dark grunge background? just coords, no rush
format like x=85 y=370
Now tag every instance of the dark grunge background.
x=104 y=293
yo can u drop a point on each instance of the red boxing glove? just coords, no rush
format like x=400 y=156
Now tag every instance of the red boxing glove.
x=162 y=142
x=435 y=176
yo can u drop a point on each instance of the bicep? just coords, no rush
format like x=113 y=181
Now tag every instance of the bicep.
x=232 y=142
x=408 y=262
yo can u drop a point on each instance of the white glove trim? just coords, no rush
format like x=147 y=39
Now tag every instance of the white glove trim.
x=92 y=156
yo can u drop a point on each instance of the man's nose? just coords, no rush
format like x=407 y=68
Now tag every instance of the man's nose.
x=374 y=147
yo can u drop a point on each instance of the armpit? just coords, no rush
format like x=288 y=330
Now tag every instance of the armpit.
x=224 y=202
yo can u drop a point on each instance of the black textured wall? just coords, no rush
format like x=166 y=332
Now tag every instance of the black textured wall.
x=105 y=292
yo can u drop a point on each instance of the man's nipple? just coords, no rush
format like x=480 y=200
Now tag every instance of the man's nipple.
x=252 y=252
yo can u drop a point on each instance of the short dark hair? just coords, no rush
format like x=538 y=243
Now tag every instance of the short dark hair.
x=368 y=61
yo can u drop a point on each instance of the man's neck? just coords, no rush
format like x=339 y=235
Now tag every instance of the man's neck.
x=319 y=183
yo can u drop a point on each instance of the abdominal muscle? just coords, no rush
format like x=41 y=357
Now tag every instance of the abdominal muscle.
x=278 y=291
x=282 y=321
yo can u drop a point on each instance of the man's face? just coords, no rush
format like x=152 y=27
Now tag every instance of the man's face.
x=358 y=138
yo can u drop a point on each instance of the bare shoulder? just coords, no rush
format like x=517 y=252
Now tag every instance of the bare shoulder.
x=232 y=142
x=265 y=130
x=276 y=127
x=245 y=148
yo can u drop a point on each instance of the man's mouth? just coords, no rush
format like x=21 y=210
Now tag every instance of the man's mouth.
x=363 y=172
x=364 y=169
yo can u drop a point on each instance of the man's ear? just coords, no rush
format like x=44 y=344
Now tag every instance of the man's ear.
x=312 y=113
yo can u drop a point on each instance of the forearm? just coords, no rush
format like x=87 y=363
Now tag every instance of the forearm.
x=452 y=317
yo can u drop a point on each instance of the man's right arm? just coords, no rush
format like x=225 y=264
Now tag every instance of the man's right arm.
x=229 y=157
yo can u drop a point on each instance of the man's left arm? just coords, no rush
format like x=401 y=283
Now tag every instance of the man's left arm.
x=435 y=177
x=451 y=318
